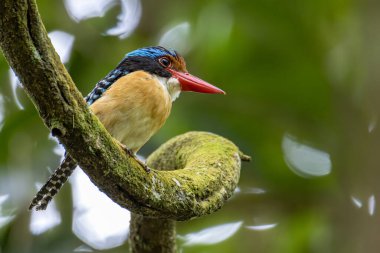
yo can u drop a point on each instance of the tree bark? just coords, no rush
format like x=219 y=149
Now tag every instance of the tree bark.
x=148 y=235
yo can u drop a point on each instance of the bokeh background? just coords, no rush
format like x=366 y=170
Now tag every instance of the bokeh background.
x=302 y=82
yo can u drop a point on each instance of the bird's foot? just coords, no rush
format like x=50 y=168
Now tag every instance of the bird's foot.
x=143 y=164
x=133 y=155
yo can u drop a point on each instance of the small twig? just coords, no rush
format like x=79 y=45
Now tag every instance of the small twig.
x=244 y=157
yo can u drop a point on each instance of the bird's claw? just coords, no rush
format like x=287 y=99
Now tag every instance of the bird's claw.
x=143 y=164
x=131 y=154
x=127 y=150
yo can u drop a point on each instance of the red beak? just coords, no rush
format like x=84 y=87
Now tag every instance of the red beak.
x=192 y=83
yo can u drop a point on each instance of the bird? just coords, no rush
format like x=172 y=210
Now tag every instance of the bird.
x=133 y=102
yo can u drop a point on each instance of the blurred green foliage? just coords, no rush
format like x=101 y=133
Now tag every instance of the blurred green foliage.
x=305 y=68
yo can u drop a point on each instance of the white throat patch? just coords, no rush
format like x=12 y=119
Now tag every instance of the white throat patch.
x=171 y=85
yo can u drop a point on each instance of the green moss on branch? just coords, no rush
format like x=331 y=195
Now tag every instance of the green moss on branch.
x=203 y=173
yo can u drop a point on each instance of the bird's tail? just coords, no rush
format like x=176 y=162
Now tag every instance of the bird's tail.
x=54 y=184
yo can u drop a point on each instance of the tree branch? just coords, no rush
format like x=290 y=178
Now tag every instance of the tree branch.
x=205 y=167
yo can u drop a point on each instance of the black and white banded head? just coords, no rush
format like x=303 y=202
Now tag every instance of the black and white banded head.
x=167 y=65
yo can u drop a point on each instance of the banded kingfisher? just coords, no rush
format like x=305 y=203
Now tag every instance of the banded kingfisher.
x=133 y=102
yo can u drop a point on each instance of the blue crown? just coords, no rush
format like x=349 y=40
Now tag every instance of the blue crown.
x=152 y=52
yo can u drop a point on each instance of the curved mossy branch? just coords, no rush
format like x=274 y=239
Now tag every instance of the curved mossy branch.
x=210 y=163
x=204 y=171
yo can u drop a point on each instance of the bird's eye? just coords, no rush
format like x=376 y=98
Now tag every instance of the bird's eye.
x=165 y=62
